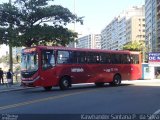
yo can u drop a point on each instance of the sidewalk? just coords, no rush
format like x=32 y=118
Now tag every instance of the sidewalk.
x=15 y=86
x=153 y=82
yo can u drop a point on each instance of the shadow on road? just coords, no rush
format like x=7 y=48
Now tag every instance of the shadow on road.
x=75 y=87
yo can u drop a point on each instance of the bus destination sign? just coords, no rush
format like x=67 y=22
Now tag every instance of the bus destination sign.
x=29 y=50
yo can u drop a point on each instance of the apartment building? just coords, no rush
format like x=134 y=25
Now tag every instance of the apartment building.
x=158 y=24
x=150 y=21
x=92 y=41
x=135 y=29
x=121 y=31
x=109 y=36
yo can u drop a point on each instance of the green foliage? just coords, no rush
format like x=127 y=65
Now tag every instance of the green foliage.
x=35 y=22
x=134 y=46
x=4 y=59
x=137 y=46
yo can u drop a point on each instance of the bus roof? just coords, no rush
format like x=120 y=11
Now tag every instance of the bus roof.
x=83 y=49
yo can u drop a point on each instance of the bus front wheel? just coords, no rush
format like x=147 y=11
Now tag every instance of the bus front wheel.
x=116 y=80
x=64 y=83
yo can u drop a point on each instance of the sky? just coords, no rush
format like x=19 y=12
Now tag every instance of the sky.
x=97 y=13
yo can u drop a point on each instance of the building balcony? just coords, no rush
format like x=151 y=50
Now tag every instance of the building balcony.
x=158 y=33
x=158 y=24
x=158 y=4
x=158 y=16
x=158 y=12
x=158 y=41
x=158 y=44
x=158 y=20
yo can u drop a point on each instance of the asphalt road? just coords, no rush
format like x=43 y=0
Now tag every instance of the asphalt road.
x=131 y=97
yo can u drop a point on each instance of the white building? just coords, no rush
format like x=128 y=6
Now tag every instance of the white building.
x=135 y=29
x=4 y=50
x=109 y=36
x=92 y=41
x=150 y=19
x=114 y=36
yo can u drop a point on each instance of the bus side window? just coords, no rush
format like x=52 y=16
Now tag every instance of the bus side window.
x=81 y=57
x=105 y=58
x=128 y=59
x=48 y=59
x=116 y=58
x=97 y=58
x=120 y=58
x=124 y=59
x=102 y=58
x=72 y=57
x=112 y=58
x=135 y=59
x=108 y=58
x=131 y=60
x=92 y=57
x=63 y=57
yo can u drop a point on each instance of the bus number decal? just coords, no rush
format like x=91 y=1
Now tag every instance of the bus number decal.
x=107 y=70
x=114 y=69
x=111 y=70
x=77 y=70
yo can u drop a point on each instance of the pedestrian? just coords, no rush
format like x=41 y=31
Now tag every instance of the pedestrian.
x=157 y=74
x=9 y=77
x=1 y=76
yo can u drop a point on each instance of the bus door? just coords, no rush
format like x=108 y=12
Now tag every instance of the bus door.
x=47 y=66
x=126 y=66
x=94 y=67
x=106 y=67
x=136 y=70
x=80 y=70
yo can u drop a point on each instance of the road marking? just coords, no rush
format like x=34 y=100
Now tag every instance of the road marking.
x=157 y=112
x=42 y=100
x=153 y=116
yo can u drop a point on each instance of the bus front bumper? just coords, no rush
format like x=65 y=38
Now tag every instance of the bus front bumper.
x=29 y=83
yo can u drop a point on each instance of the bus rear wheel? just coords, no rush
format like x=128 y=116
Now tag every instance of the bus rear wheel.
x=65 y=83
x=48 y=88
x=116 y=80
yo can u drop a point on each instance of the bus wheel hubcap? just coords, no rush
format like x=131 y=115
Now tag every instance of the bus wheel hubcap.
x=65 y=83
x=116 y=81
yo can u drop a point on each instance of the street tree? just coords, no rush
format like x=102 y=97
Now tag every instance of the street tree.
x=134 y=46
x=137 y=46
x=36 y=22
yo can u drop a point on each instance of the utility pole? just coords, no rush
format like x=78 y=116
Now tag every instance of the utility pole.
x=74 y=13
x=74 y=43
x=10 y=46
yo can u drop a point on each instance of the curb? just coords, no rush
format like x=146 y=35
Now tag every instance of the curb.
x=15 y=89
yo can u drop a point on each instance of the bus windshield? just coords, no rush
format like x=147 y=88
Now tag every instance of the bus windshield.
x=29 y=62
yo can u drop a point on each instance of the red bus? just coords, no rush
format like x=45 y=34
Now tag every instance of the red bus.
x=49 y=66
